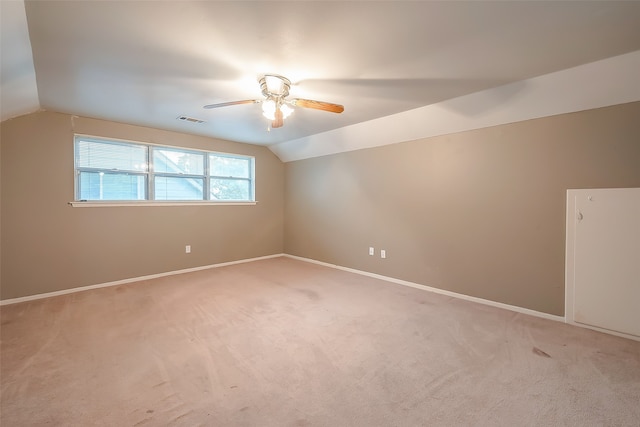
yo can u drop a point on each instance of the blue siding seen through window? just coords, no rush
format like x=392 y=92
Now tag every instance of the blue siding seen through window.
x=116 y=170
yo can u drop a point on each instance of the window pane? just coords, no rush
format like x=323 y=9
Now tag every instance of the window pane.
x=176 y=161
x=230 y=189
x=230 y=166
x=176 y=188
x=119 y=170
x=111 y=186
x=105 y=155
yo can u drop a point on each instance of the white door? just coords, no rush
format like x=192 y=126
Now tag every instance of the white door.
x=606 y=291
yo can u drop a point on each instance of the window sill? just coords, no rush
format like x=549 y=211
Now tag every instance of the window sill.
x=110 y=204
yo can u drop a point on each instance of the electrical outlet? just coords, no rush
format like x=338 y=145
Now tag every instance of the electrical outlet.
x=383 y=253
x=372 y=251
x=187 y=249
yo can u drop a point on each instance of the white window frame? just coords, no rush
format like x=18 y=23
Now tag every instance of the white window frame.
x=150 y=176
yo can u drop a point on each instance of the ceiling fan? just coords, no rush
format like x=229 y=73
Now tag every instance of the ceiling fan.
x=276 y=106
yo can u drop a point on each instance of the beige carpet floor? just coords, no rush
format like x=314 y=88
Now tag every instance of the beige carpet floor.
x=281 y=342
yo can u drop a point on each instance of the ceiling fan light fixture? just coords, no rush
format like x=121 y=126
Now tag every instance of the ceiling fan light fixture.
x=270 y=106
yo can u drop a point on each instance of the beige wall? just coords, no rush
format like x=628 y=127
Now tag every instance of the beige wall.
x=480 y=213
x=48 y=245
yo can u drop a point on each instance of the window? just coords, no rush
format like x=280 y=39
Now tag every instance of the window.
x=109 y=170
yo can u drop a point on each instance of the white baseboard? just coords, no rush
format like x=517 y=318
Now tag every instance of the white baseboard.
x=133 y=279
x=604 y=331
x=351 y=270
x=436 y=290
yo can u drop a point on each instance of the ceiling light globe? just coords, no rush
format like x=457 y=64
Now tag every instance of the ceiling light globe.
x=269 y=109
x=286 y=110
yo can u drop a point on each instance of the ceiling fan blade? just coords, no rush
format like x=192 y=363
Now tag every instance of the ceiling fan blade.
x=226 y=104
x=278 y=122
x=318 y=105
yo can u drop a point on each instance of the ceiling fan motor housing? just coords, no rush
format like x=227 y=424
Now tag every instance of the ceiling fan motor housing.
x=274 y=86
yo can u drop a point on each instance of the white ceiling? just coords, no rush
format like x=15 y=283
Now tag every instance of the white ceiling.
x=148 y=62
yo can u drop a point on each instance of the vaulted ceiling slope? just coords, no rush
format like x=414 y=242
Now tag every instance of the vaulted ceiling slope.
x=403 y=70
